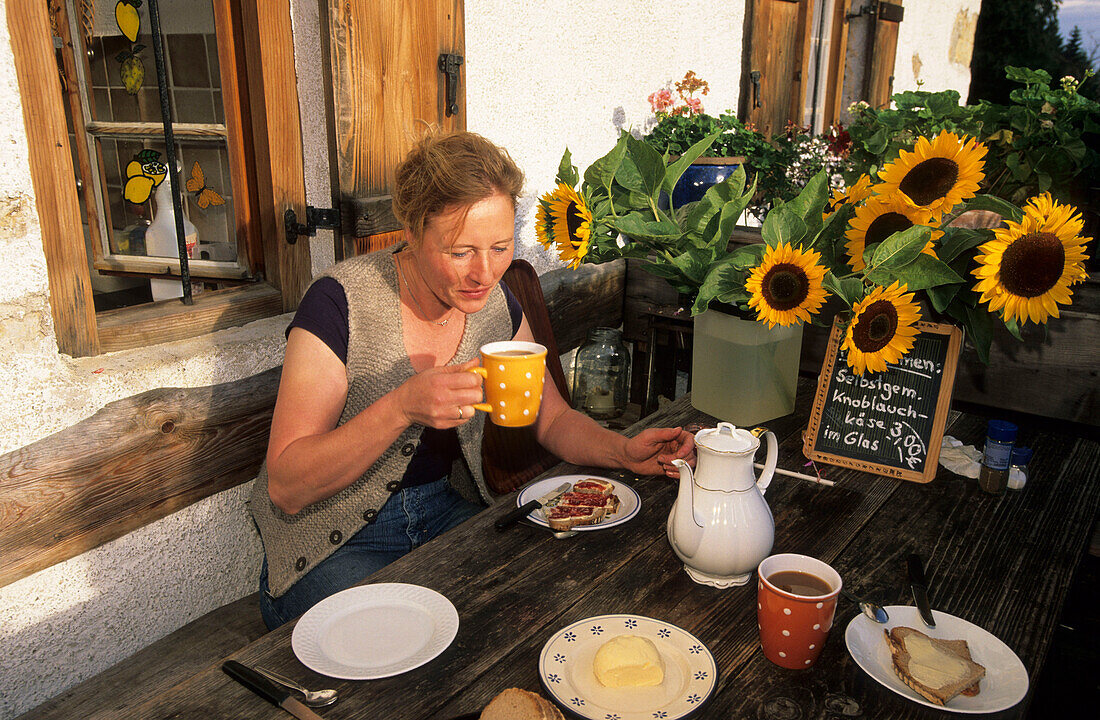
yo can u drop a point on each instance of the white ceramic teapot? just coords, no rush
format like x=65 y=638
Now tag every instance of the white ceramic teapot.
x=720 y=524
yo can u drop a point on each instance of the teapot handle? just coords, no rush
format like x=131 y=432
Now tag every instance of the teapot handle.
x=768 y=471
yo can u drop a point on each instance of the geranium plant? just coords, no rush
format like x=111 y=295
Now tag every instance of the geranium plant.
x=884 y=247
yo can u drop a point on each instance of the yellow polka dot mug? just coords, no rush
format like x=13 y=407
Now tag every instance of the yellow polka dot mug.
x=513 y=371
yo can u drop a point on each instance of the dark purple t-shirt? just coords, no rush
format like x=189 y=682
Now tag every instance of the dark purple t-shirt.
x=324 y=313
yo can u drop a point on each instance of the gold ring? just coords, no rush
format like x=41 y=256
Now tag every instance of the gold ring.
x=460 y=416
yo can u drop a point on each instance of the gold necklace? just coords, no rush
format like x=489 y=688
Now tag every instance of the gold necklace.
x=415 y=301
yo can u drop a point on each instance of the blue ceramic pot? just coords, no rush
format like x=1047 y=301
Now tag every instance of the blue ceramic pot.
x=699 y=176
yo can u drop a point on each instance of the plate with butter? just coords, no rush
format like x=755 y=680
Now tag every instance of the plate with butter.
x=627 y=667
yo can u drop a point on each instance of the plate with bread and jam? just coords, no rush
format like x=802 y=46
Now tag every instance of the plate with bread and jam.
x=591 y=503
x=627 y=667
x=955 y=666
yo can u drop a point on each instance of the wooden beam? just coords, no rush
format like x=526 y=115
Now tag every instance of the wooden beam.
x=169 y=320
x=133 y=462
x=52 y=176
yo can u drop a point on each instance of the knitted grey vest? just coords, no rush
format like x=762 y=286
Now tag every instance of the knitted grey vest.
x=376 y=364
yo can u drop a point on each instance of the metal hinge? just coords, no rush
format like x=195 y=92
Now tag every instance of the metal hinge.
x=448 y=65
x=315 y=218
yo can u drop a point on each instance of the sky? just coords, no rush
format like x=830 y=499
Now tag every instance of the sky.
x=1086 y=15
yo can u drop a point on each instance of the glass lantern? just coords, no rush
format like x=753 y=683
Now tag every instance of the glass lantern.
x=600 y=374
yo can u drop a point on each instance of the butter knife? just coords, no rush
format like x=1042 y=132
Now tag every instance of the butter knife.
x=513 y=516
x=919 y=586
x=274 y=694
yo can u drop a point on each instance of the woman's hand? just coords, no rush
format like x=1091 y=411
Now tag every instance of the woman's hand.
x=652 y=451
x=442 y=397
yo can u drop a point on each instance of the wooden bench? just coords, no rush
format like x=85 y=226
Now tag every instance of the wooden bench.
x=81 y=487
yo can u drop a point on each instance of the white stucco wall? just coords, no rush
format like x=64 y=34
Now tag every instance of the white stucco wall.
x=543 y=76
x=935 y=42
x=540 y=77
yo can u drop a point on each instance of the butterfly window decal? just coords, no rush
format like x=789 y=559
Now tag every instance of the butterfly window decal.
x=205 y=196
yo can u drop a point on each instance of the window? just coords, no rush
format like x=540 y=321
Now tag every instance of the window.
x=88 y=81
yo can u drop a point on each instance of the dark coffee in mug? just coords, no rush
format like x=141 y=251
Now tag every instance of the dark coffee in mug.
x=799 y=583
x=512 y=353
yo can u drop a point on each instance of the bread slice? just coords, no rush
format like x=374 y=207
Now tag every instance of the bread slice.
x=567 y=517
x=598 y=486
x=610 y=503
x=936 y=669
x=517 y=704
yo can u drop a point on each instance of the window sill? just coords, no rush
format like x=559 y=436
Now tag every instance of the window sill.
x=169 y=320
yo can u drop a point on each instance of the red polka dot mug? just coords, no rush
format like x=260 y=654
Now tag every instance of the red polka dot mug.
x=795 y=604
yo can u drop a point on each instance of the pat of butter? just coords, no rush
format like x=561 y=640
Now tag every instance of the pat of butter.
x=628 y=661
x=931 y=665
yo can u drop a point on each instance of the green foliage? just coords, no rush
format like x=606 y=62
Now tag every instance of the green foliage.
x=1044 y=141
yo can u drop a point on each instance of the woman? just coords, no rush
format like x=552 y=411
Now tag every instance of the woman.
x=375 y=444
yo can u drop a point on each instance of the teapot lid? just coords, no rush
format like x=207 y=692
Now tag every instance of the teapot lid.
x=727 y=438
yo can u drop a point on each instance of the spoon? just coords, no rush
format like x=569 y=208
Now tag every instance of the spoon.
x=871 y=610
x=312 y=698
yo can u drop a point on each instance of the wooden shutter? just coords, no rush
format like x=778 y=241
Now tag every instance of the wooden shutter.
x=879 y=76
x=773 y=87
x=387 y=90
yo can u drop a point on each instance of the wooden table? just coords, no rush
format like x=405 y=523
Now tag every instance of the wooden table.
x=1003 y=563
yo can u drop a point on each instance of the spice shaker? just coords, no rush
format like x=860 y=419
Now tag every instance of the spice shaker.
x=1017 y=470
x=999 y=439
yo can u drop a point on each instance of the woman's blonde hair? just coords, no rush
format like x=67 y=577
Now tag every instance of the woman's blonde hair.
x=451 y=170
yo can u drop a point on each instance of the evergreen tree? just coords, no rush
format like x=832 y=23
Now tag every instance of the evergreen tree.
x=1075 y=61
x=1023 y=33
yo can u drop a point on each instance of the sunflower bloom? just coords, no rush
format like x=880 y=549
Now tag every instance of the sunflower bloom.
x=883 y=329
x=786 y=285
x=848 y=196
x=1026 y=270
x=565 y=221
x=938 y=174
x=877 y=219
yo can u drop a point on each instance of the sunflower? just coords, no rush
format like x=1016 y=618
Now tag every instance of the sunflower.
x=786 y=285
x=877 y=219
x=563 y=219
x=882 y=330
x=937 y=175
x=848 y=196
x=1027 y=268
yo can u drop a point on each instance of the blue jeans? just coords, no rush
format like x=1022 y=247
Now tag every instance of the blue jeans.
x=410 y=518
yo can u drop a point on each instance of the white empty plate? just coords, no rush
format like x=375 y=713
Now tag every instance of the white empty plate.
x=375 y=631
x=1005 y=682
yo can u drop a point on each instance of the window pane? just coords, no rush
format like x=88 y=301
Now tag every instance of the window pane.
x=123 y=71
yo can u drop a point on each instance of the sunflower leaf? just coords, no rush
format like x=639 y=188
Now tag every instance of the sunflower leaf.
x=830 y=240
x=850 y=290
x=995 y=204
x=724 y=281
x=942 y=295
x=923 y=272
x=979 y=326
x=783 y=225
x=896 y=251
x=567 y=171
x=676 y=169
x=958 y=240
x=716 y=198
x=1012 y=326
x=643 y=168
x=602 y=172
x=639 y=227
x=810 y=203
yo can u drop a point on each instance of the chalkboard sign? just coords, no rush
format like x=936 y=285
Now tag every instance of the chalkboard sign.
x=888 y=423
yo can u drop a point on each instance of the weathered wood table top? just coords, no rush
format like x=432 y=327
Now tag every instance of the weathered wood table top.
x=1003 y=563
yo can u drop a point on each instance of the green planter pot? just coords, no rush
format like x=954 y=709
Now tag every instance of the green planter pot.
x=741 y=371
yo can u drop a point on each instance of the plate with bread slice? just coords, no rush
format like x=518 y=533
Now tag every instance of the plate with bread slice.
x=627 y=667
x=955 y=666
x=591 y=503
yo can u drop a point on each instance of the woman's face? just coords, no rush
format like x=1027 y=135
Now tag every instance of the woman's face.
x=462 y=261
